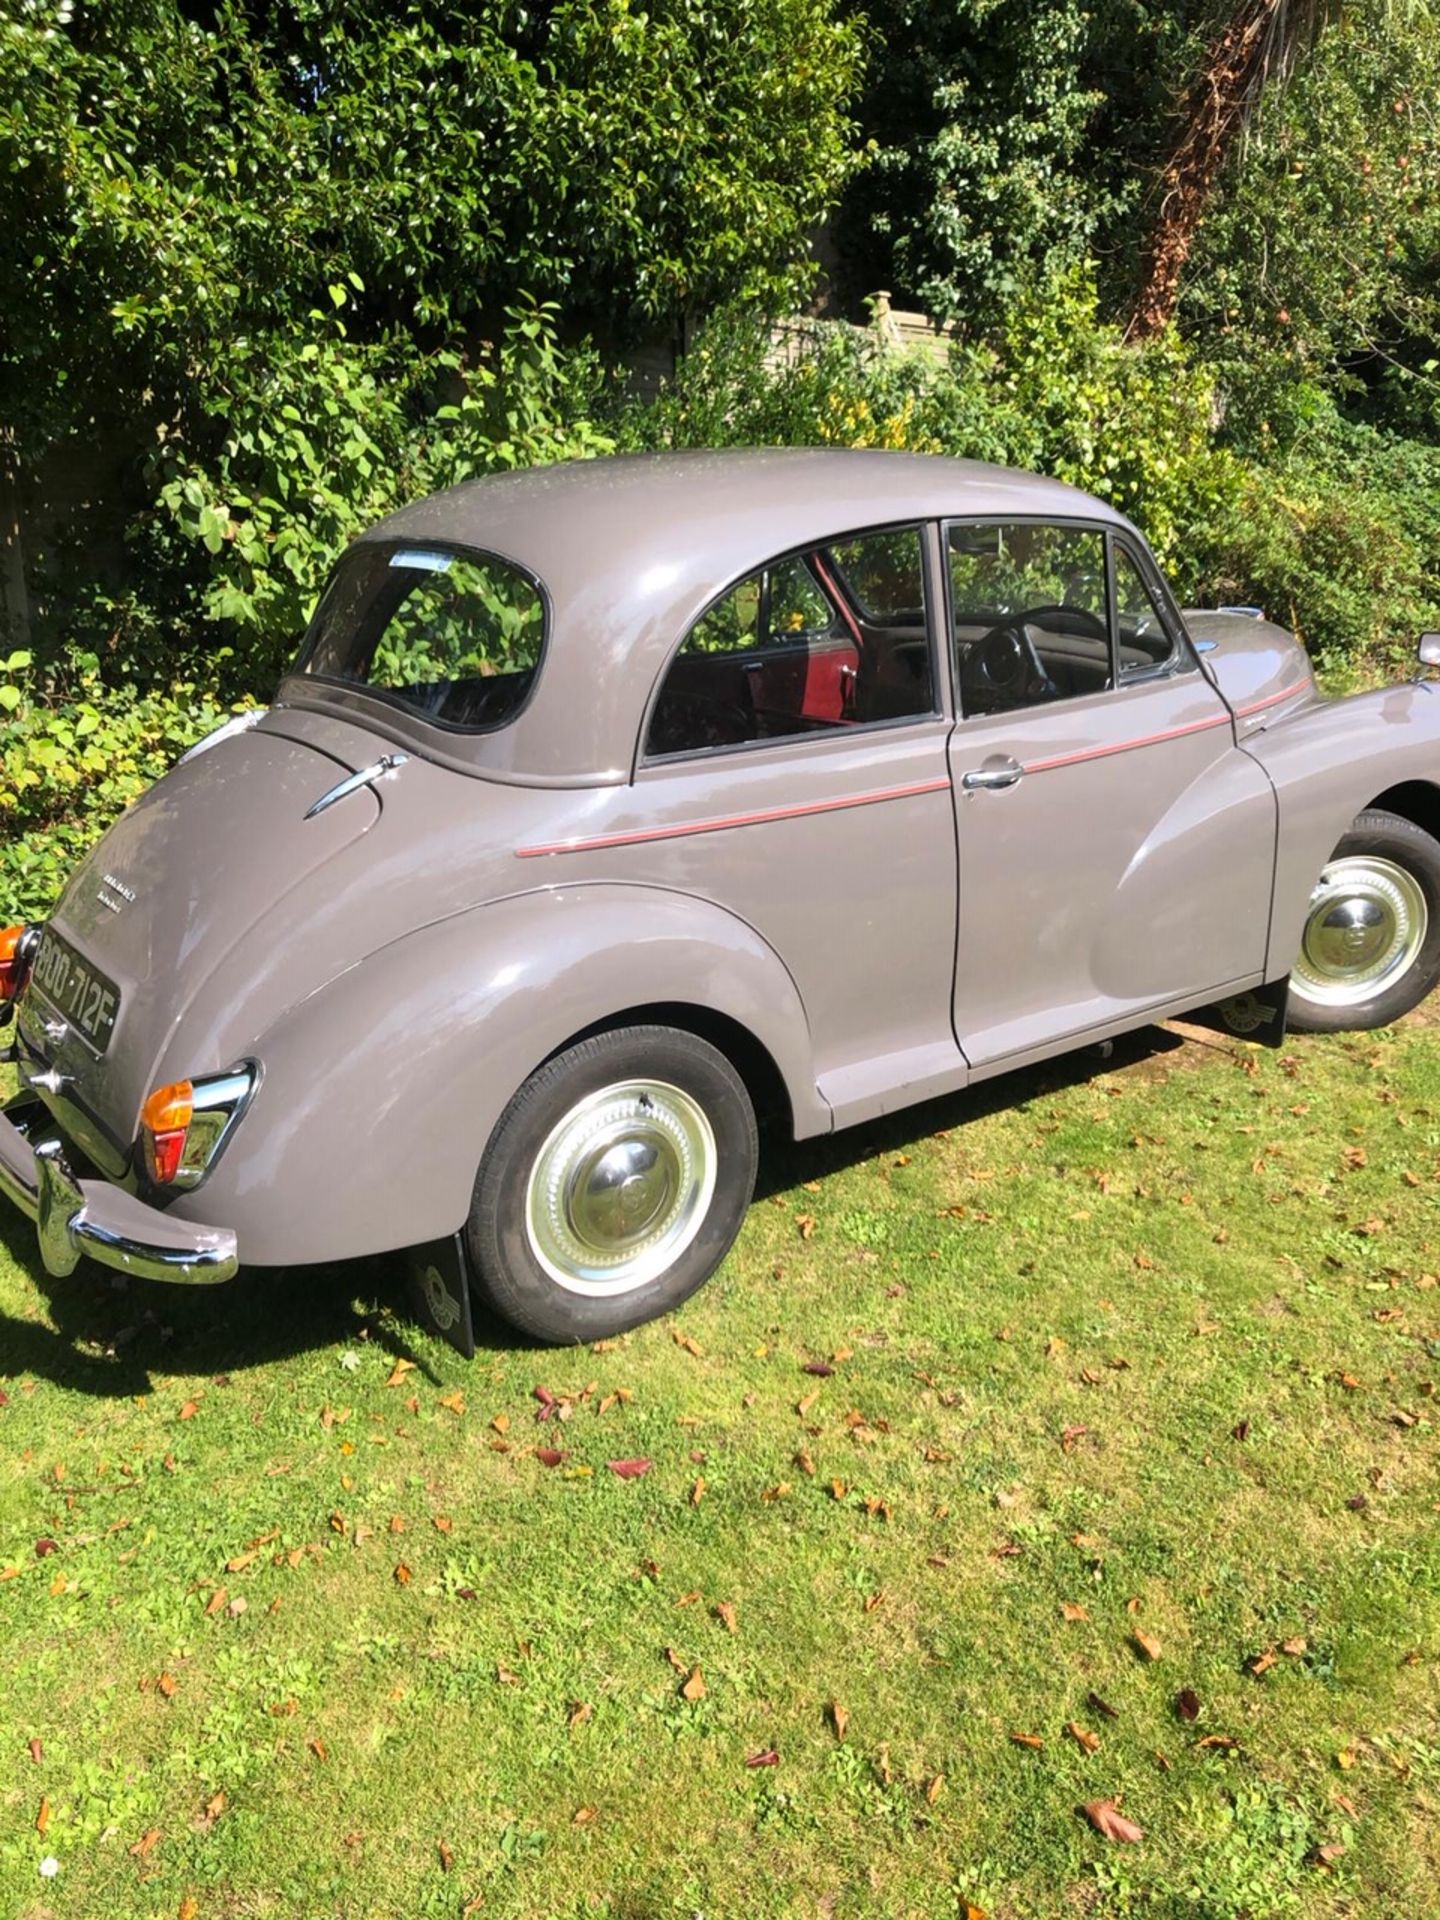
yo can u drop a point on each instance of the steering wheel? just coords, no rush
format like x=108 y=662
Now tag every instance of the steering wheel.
x=1003 y=669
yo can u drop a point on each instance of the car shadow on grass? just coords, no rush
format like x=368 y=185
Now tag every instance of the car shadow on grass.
x=789 y=1163
x=110 y=1334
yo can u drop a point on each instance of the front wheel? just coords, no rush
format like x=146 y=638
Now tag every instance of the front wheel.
x=1371 y=947
x=614 y=1184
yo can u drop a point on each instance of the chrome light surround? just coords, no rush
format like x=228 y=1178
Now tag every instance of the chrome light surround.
x=219 y=1104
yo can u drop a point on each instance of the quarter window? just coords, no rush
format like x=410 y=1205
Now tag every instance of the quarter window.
x=1029 y=609
x=1144 y=641
x=820 y=641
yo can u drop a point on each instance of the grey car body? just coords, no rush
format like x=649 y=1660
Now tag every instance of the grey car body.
x=856 y=916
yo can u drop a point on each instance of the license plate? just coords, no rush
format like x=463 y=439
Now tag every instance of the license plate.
x=78 y=992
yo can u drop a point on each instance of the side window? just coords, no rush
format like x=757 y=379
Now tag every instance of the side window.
x=1028 y=603
x=1145 y=641
x=832 y=638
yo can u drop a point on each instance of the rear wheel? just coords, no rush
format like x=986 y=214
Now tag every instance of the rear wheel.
x=1371 y=946
x=614 y=1184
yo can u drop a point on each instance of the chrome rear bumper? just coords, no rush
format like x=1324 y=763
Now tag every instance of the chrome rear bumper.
x=92 y=1217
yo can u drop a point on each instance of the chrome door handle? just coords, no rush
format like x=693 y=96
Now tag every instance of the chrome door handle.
x=1007 y=775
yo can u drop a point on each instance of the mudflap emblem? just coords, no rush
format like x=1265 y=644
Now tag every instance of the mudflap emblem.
x=440 y=1292
x=1257 y=1015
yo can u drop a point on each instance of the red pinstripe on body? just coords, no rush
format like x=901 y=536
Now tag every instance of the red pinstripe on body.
x=1273 y=699
x=684 y=829
x=733 y=820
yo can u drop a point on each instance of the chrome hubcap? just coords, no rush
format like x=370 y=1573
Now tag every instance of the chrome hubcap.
x=1367 y=923
x=620 y=1187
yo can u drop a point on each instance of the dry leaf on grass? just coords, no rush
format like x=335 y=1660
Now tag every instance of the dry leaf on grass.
x=629 y=1469
x=1187 y=1704
x=1110 y=1823
x=1263 y=1662
x=839 y=1719
x=694 y=1687
x=767 y=1757
x=680 y=1666
x=1031 y=1740
x=447 y=1857
x=1088 y=1742
x=1070 y=1611
x=934 y=1788
x=1147 y=1644
x=725 y=1614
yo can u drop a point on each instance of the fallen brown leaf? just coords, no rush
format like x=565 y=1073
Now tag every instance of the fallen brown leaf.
x=1083 y=1738
x=403 y=1575
x=694 y=1687
x=1031 y=1740
x=680 y=1666
x=551 y=1456
x=1147 y=1644
x=42 y=1817
x=399 y=1371
x=1187 y=1704
x=580 y=1713
x=934 y=1789
x=189 y=1410
x=839 y=1719
x=629 y=1469
x=1103 y=1707
x=37 y=1751
x=145 y=1845
x=1263 y=1662
x=1111 y=1824
x=1069 y=1610
x=697 y=1492
x=166 y=1684
x=216 y=1601
x=725 y=1613
x=582 y=1816
x=767 y=1757
x=188 y=1908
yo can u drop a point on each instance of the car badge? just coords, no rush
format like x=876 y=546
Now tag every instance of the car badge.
x=106 y=894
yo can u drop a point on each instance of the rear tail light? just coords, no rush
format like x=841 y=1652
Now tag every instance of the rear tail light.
x=164 y=1124
x=15 y=951
x=184 y=1125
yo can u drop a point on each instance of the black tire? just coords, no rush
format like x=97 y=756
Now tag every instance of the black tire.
x=1398 y=843
x=504 y=1241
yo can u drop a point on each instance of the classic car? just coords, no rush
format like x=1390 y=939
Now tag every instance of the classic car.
x=611 y=807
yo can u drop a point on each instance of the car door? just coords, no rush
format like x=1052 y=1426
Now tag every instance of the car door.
x=1116 y=849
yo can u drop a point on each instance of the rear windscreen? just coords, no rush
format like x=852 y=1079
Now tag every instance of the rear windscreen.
x=453 y=636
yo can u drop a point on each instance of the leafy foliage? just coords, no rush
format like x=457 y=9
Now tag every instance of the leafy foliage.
x=67 y=767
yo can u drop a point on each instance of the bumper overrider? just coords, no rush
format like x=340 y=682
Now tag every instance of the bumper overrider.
x=92 y=1217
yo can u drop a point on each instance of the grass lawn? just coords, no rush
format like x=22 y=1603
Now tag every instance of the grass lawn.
x=1123 y=1412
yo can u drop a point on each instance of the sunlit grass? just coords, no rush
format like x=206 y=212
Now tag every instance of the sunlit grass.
x=1148 y=1341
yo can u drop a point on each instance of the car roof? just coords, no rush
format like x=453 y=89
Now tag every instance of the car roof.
x=631 y=549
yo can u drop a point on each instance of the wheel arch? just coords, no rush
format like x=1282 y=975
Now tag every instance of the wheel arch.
x=1417 y=801
x=383 y=1089
x=750 y=1057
